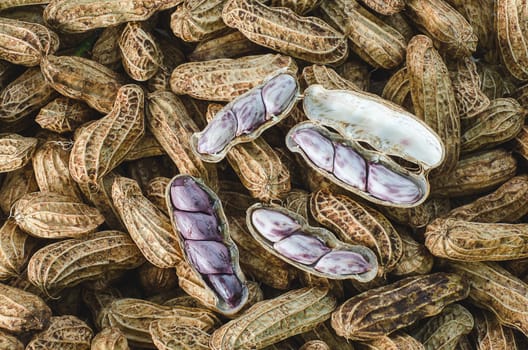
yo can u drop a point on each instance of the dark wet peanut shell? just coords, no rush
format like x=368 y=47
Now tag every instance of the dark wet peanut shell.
x=218 y=133
x=342 y=262
x=227 y=286
x=197 y=226
x=249 y=111
x=209 y=257
x=273 y=225
x=301 y=248
x=318 y=148
x=187 y=195
x=387 y=185
x=350 y=167
x=278 y=94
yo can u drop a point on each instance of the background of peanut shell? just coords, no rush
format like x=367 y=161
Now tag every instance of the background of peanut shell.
x=98 y=102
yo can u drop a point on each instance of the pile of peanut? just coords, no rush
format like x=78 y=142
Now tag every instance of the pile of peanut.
x=263 y=174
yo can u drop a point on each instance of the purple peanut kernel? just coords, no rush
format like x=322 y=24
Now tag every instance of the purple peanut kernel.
x=197 y=226
x=273 y=225
x=218 y=133
x=278 y=93
x=228 y=287
x=187 y=195
x=342 y=262
x=317 y=148
x=301 y=248
x=387 y=185
x=350 y=167
x=209 y=257
x=249 y=112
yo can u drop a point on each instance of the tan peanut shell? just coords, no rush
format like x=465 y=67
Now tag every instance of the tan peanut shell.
x=298 y=6
x=449 y=30
x=140 y=54
x=69 y=262
x=64 y=332
x=25 y=43
x=326 y=76
x=22 y=97
x=508 y=203
x=134 y=316
x=420 y=215
x=73 y=16
x=415 y=260
x=225 y=79
x=385 y=7
x=356 y=71
x=433 y=97
x=490 y=334
x=495 y=82
x=279 y=28
x=476 y=173
x=16 y=184
x=155 y=192
x=398 y=89
x=106 y=48
x=510 y=24
x=380 y=311
x=370 y=38
x=155 y=280
x=172 y=125
x=148 y=146
x=230 y=45
x=495 y=289
x=22 y=311
x=395 y=341
x=10 y=342
x=168 y=334
x=15 y=151
x=15 y=3
x=52 y=215
x=315 y=345
x=110 y=338
x=195 y=20
x=99 y=87
x=148 y=226
x=445 y=329
x=103 y=144
x=64 y=115
x=16 y=247
x=299 y=310
x=354 y=223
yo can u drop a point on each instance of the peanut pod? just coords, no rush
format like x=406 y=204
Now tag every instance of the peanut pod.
x=195 y=20
x=64 y=332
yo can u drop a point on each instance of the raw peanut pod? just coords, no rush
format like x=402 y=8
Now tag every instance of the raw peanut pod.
x=357 y=72
x=260 y=170
x=140 y=54
x=356 y=224
x=25 y=43
x=64 y=115
x=16 y=247
x=225 y=79
x=395 y=341
x=279 y=28
x=155 y=192
x=465 y=344
x=195 y=20
x=300 y=310
x=476 y=173
x=64 y=332
x=256 y=261
x=69 y=262
x=134 y=316
x=154 y=280
x=147 y=147
x=385 y=7
x=327 y=77
x=16 y=184
x=315 y=250
x=8 y=72
x=475 y=241
x=500 y=122
x=420 y=215
x=510 y=26
x=449 y=30
x=15 y=3
x=148 y=226
x=172 y=125
x=15 y=151
x=110 y=338
x=382 y=310
x=97 y=300
x=315 y=345
x=22 y=311
x=508 y=203
x=415 y=260
x=52 y=215
x=325 y=333
x=168 y=334
x=144 y=169
x=22 y=97
x=374 y=41
x=298 y=201
x=398 y=89
x=10 y=342
x=203 y=234
x=495 y=289
x=106 y=48
x=230 y=45
x=433 y=97
x=82 y=79
x=347 y=164
x=247 y=117
x=235 y=198
x=521 y=142
x=73 y=16
x=50 y=164
x=470 y=99
x=495 y=82
x=444 y=330
x=490 y=334
x=102 y=145
x=521 y=95
x=301 y=7
x=172 y=57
